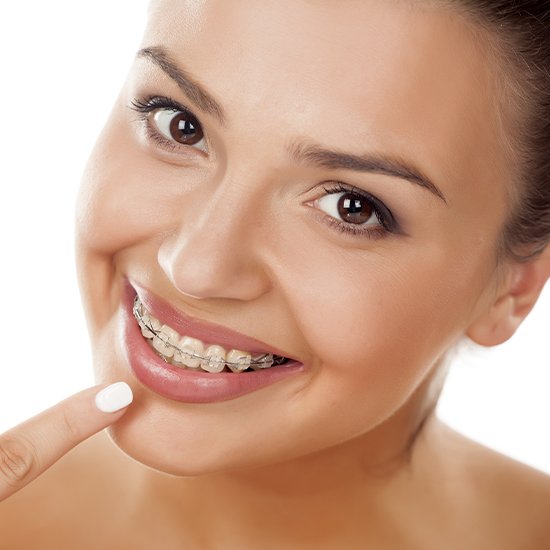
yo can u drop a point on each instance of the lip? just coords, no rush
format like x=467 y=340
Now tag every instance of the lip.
x=187 y=385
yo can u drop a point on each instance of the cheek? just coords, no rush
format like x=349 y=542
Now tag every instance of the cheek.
x=377 y=326
x=125 y=199
x=114 y=212
x=109 y=213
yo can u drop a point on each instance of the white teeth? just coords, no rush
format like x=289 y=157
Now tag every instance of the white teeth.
x=146 y=332
x=189 y=347
x=188 y=352
x=165 y=340
x=138 y=308
x=162 y=346
x=145 y=321
x=154 y=323
x=242 y=360
x=161 y=343
x=173 y=336
x=214 y=359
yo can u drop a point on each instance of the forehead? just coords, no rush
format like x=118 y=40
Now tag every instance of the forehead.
x=402 y=75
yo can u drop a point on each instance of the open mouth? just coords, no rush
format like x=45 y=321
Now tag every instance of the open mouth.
x=185 y=352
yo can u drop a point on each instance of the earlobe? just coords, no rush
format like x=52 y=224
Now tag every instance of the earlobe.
x=515 y=300
x=496 y=325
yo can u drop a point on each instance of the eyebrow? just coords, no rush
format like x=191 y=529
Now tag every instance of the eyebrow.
x=372 y=163
x=188 y=85
x=299 y=152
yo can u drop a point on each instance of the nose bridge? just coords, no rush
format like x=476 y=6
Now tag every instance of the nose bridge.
x=233 y=199
x=212 y=254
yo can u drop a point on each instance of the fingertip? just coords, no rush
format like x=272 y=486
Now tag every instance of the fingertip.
x=114 y=397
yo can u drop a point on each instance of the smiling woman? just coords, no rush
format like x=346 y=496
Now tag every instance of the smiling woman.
x=282 y=242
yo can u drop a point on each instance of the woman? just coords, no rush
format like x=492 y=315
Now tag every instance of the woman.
x=294 y=215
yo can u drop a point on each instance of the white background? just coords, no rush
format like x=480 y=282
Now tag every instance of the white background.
x=62 y=64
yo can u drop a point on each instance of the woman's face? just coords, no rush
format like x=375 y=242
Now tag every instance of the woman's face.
x=365 y=263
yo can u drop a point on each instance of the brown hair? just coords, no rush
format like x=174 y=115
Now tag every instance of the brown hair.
x=520 y=31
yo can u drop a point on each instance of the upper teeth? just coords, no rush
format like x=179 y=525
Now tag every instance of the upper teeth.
x=191 y=352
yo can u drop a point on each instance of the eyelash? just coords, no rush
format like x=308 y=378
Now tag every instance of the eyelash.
x=385 y=218
x=144 y=107
x=387 y=224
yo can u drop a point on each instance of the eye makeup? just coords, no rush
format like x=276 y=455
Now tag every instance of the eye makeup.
x=376 y=222
x=173 y=127
x=169 y=124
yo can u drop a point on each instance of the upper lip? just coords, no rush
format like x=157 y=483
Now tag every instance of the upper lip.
x=203 y=330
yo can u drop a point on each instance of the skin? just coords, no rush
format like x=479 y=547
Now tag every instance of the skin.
x=347 y=452
x=277 y=283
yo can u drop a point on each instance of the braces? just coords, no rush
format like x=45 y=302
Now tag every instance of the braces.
x=263 y=361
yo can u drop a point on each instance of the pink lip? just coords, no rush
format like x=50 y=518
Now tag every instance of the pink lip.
x=184 y=384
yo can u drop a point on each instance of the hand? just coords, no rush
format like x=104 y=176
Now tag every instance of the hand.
x=30 y=448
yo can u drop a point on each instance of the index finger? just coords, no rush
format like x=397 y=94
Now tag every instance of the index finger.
x=30 y=448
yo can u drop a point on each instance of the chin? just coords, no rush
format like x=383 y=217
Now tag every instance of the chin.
x=158 y=451
x=154 y=457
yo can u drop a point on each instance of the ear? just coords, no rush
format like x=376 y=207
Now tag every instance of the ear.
x=515 y=299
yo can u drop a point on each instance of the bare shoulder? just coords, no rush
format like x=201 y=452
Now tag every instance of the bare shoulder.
x=505 y=498
x=67 y=501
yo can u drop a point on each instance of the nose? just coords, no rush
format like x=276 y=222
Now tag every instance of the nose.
x=215 y=250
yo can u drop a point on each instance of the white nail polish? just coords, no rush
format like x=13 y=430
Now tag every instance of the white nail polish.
x=114 y=397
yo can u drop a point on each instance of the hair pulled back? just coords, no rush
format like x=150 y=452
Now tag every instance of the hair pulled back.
x=521 y=38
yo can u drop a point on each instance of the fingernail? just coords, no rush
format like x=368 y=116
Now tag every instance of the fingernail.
x=114 y=397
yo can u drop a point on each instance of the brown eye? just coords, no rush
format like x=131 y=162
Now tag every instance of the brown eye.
x=185 y=129
x=178 y=126
x=349 y=208
x=354 y=208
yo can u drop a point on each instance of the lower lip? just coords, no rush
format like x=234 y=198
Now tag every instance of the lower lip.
x=187 y=385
